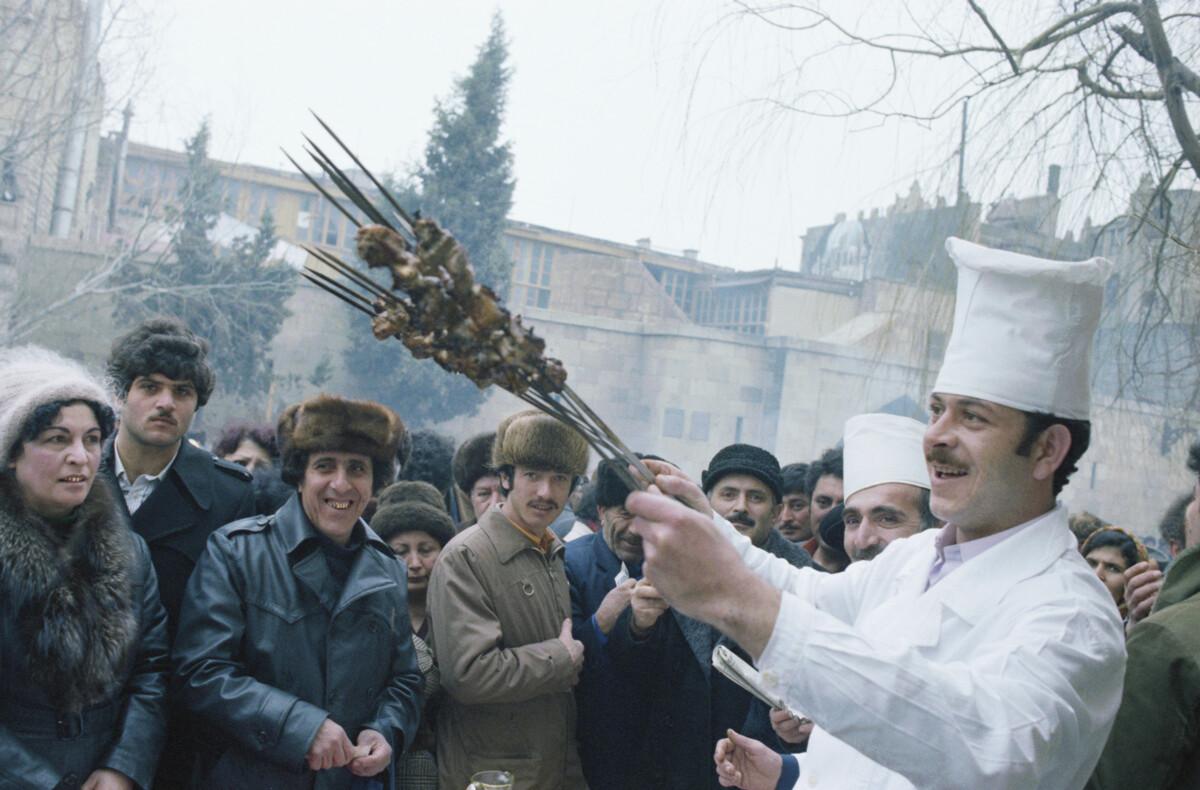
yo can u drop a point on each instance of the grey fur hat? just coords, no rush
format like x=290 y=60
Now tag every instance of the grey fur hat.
x=31 y=376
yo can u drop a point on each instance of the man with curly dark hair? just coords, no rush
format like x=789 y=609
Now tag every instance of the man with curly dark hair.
x=175 y=494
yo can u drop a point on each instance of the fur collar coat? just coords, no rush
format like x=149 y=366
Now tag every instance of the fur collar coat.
x=84 y=658
x=69 y=589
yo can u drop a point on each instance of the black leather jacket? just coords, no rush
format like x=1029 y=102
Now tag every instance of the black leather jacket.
x=268 y=648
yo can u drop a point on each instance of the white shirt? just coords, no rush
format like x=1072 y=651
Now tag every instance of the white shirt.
x=139 y=490
x=1007 y=673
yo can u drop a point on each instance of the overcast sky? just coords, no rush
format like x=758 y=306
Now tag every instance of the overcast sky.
x=627 y=117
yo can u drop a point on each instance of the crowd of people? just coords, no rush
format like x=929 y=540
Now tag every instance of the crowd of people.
x=336 y=602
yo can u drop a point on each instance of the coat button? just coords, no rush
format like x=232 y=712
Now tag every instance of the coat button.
x=262 y=737
x=812 y=781
x=668 y=721
x=373 y=627
x=70 y=780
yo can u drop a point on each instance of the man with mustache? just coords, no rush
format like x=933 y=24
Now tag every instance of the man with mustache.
x=175 y=494
x=690 y=705
x=499 y=611
x=603 y=569
x=886 y=483
x=982 y=655
x=794 y=522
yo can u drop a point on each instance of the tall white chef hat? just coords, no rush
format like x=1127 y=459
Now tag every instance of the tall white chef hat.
x=883 y=448
x=1023 y=330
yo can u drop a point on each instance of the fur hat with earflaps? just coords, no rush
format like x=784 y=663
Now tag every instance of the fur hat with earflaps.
x=326 y=423
x=538 y=441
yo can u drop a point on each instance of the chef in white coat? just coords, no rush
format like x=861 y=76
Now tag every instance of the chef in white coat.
x=980 y=655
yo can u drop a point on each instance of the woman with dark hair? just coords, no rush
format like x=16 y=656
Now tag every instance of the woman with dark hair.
x=1110 y=551
x=417 y=532
x=83 y=638
x=252 y=446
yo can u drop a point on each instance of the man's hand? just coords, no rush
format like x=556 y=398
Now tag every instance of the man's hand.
x=330 y=748
x=1142 y=583
x=574 y=647
x=107 y=779
x=746 y=763
x=671 y=480
x=375 y=754
x=789 y=728
x=648 y=605
x=613 y=604
x=700 y=573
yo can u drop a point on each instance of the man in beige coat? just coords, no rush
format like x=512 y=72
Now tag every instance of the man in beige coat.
x=500 y=620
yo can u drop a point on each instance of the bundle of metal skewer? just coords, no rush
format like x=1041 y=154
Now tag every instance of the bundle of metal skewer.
x=435 y=307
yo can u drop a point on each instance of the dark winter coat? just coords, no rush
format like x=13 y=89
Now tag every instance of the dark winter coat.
x=199 y=493
x=268 y=648
x=690 y=704
x=611 y=711
x=83 y=646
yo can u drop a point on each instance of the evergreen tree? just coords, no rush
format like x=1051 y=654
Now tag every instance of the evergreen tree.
x=466 y=185
x=466 y=182
x=235 y=299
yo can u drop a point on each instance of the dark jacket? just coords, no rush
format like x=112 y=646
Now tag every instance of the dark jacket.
x=611 y=713
x=268 y=648
x=199 y=493
x=83 y=647
x=690 y=704
x=1155 y=740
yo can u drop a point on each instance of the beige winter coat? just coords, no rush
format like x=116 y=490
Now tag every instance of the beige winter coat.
x=496 y=608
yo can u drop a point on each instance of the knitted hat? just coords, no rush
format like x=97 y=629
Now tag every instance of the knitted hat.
x=31 y=376
x=611 y=491
x=412 y=491
x=473 y=460
x=744 y=459
x=536 y=440
x=331 y=424
x=395 y=519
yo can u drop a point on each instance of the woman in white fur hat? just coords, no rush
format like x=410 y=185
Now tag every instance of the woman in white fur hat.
x=83 y=642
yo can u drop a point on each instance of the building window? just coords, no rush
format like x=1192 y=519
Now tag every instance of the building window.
x=673 y=423
x=531 y=273
x=699 y=432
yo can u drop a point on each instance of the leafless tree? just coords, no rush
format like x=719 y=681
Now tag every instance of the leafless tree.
x=1110 y=89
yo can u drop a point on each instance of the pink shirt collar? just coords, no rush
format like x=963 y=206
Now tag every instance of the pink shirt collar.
x=951 y=554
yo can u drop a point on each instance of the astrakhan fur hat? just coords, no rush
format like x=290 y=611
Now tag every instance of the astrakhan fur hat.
x=331 y=424
x=473 y=460
x=537 y=440
x=31 y=376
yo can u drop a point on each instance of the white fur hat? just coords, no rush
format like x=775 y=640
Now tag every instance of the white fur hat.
x=1023 y=330
x=31 y=376
x=883 y=448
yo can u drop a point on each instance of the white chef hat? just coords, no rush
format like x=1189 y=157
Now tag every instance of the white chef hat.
x=1023 y=330
x=883 y=448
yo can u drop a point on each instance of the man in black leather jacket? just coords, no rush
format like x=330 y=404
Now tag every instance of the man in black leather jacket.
x=294 y=646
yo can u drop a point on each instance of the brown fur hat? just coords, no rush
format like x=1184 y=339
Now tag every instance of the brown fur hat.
x=534 y=439
x=331 y=424
x=412 y=491
x=473 y=460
